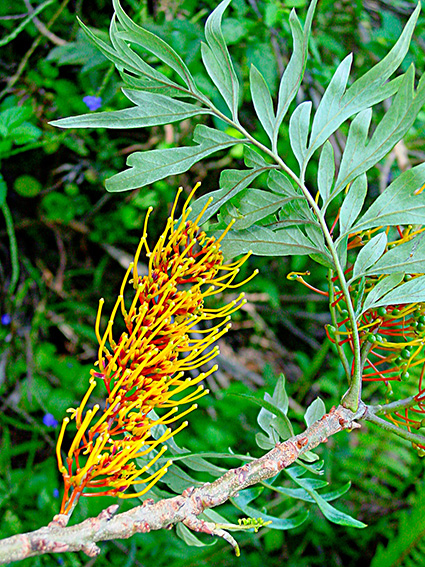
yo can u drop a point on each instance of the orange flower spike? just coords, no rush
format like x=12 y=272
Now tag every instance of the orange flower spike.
x=144 y=368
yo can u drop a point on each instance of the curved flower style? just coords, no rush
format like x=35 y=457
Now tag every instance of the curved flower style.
x=144 y=368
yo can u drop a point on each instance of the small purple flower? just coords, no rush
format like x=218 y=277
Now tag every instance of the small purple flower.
x=56 y=493
x=49 y=420
x=92 y=102
x=6 y=319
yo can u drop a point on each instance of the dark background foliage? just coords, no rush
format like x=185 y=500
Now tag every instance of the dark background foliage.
x=73 y=240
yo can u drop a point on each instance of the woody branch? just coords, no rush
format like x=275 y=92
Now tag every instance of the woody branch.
x=186 y=508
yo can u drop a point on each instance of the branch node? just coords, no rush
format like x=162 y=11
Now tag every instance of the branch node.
x=91 y=549
x=142 y=527
x=108 y=513
x=43 y=545
x=59 y=521
x=242 y=473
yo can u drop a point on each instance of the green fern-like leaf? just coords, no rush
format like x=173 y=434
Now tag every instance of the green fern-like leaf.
x=407 y=549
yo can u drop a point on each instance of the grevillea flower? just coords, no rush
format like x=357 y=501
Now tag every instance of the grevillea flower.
x=143 y=368
x=392 y=337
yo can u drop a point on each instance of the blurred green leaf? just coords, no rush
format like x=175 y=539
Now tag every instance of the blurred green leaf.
x=27 y=186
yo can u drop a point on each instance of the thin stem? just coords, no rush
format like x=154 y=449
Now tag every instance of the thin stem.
x=13 y=247
x=393 y=406
x=367 y=347
x=352 y=396
x=388 y=426
x=339 y=347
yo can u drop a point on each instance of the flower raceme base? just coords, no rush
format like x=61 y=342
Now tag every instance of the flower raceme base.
x=143 y=369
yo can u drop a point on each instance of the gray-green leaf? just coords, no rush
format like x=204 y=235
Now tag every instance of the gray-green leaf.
x=315 y=411
x=403 y=202
x=360 y=154
x=302 y=494
x=149 y=41
x=126 y=59
x=384 y=285
x=262 y=100
x=277 y=523
x=353 y=203
x=369 y=254
x=190 y=538
x=366 y=91
x=253 y=205
x=408 y=257
x=217 y=60
x=149 y=166
x=151 y=110
x=299 y=126
x=232 y=182
x=326 y=171
x=265 y=242
x=294 y=72
x=331 y=513
x=279 y=183
x=413 y=291
x=331 y=102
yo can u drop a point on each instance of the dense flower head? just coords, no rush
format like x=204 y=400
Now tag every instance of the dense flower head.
x=144 y=368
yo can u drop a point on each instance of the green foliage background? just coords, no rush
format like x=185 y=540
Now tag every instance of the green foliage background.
x=73 y=240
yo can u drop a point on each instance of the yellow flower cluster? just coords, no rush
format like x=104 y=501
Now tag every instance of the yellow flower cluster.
x=144 y=369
